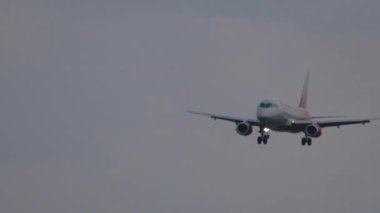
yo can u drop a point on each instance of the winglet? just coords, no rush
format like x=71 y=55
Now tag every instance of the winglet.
x=303 y=101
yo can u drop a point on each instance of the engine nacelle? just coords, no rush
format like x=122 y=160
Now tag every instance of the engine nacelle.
x=313 y=130
x=244 y=128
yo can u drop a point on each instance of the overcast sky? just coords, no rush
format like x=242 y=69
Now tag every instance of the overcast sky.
x=93 y=98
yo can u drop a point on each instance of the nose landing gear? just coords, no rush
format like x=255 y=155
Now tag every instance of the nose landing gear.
x=263 y=139
x=264 y=136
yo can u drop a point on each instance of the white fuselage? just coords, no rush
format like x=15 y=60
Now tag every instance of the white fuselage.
x=279 y=117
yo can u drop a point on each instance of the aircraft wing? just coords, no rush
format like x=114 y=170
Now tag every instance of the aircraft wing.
x=335 y=122
x=252 y=121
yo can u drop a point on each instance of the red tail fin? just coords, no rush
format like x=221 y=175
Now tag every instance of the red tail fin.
x=303 y=101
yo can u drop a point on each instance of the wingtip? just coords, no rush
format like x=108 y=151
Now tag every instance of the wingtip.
x=194 y=112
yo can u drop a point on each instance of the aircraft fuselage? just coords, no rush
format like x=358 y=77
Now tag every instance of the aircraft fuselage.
x=278 y=116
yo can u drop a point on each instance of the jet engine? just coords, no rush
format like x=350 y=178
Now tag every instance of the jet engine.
x=244 y=128
x=313 y=130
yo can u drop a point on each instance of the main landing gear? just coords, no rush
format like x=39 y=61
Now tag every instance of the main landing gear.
x=306 y=140
x=263 y=138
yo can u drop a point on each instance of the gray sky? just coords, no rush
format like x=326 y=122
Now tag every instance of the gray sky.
x=93 y=99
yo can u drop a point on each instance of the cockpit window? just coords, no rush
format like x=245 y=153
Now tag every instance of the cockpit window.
x=263 y=105
x=268 y=105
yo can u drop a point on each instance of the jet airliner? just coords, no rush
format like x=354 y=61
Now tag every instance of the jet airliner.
x=273 y=114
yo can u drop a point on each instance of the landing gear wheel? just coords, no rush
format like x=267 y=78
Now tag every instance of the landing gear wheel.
x=265 y=140
x=303 y=141
x=259 y=139
x=309 y=141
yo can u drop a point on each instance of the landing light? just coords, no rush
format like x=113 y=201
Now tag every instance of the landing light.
x=266 y=129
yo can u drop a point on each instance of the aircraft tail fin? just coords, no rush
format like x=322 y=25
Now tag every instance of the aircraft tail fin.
x=303 y=101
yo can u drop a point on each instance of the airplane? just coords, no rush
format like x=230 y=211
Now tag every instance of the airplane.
x=273 y=114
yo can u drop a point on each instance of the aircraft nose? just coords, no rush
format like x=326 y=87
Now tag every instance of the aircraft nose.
x=262 y=115
x=265 y=115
